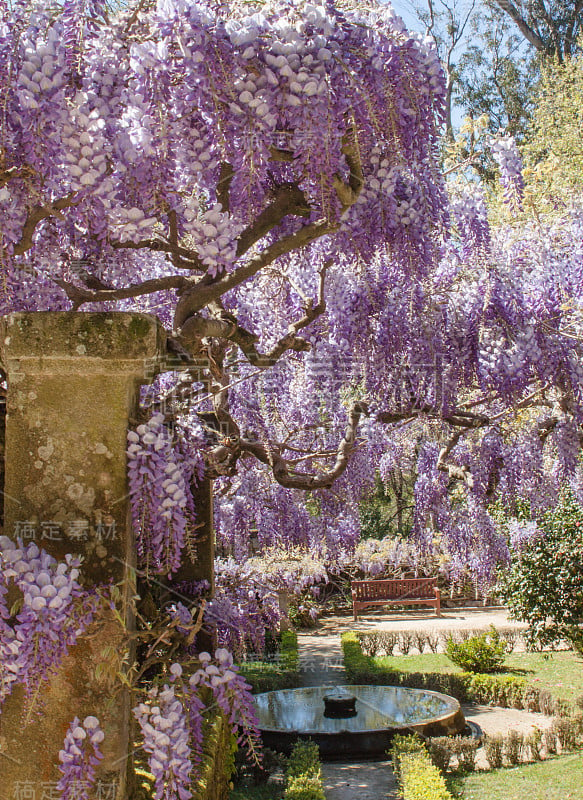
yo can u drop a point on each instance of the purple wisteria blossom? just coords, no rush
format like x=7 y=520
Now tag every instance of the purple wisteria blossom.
x=79 y=757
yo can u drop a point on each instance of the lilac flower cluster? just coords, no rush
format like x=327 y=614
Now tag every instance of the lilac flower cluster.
x=161 y=468
x=172 y=721
x=54 y=611
x=79 y=757
x=165 y=730
x=508 y=158
x=232 y=694
x=471 y=217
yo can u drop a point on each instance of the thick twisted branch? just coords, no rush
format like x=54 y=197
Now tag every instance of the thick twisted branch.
x=36 y=215
x=225 y=326
x=80 y=295
x=207 y=289
x=282 y=468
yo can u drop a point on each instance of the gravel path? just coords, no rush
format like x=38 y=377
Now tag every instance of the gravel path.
x=367 y=780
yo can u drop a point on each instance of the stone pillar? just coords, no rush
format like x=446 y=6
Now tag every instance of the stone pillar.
x=73 y=381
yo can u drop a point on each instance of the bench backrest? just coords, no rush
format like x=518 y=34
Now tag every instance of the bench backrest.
x=393 y=589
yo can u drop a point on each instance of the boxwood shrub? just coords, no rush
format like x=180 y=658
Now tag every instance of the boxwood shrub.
x=418 y=777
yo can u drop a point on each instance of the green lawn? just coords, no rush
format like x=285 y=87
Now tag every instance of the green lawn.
x=559 y=672
x=555 y=779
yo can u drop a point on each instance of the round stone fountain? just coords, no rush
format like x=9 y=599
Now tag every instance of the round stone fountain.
x=354 y=721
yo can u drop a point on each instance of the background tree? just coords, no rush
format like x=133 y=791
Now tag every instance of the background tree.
x=497 y=73
x=552 y=27
x=544 y=585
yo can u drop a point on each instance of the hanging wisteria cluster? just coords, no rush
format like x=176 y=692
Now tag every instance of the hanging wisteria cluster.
x=51 y=611
x=172 y=721
x=505 y=153
x=79 y=757
x=163 y=464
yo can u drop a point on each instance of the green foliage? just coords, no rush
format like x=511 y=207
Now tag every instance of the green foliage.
x=418 y=777
x=544 y=584
x=304 y=760
x=554 y=154
x=496 y=77
x=402 y=745
x=288 y=651
x=482 y=653
x=265 y=676
x=388 y=510
x=305 y=787
x=303 y=774
x=218 y=760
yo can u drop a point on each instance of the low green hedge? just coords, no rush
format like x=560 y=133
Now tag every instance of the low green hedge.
x=266 y=676
x=418 y=778
x=507 y=691
x=303 y=774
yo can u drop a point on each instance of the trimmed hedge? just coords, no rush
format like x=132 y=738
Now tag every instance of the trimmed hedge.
x=507 y=691
x=419 y=779
x=303 y=774
x=284 y=673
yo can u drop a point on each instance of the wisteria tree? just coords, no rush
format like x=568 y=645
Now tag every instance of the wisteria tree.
x=233 y=199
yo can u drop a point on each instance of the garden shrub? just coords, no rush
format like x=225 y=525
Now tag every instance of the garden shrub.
x=305 y=787
x=544 y=584
x=531 y=699
x=304 y=759
x=507 y=691
x=494 y=748
x=566 y=731
x=513 y=747
x=546 y=703
x=483 y=653
x=550 y=741
x=419 y=778
x=403 y=745
x=465 y=748
x=405 y=642
x=443 y=748
x=441 y=752
x=303 y=774
x=534 y=743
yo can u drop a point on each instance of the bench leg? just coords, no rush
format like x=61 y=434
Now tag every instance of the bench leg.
x=354 y=612
x=437 y=603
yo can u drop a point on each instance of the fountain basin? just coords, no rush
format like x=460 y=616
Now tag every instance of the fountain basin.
x=364 y=729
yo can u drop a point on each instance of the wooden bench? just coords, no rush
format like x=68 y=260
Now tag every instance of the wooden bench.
x=406 y=591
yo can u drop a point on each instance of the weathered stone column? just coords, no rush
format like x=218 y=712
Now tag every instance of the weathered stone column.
x=73 y=381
